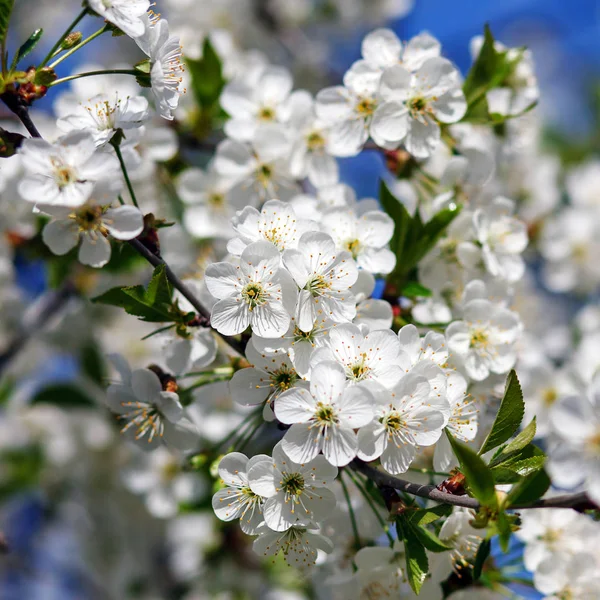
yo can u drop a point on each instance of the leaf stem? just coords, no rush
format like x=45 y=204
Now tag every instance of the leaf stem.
x=359 y=484
x=92 y=73
x=351 y=512
x=62 y=37
x=125 y=174
x=78 y=47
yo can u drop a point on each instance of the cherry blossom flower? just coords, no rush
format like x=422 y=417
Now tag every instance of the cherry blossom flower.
x=125 y=14
x=166 y=68
x=324 y=417
x=365 y=236
x=324 y=277
x=406 y=416
x=151 y=415
x=67 y=173
x=254 y=293
x=299 y=545
x=237 y=500
x=91 y=224
x=263 y=382
x=296 y=494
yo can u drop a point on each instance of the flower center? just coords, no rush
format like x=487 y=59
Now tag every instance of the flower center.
x=302 y=336
x=359 y=370
x=64 y=175
x=418 y=105
x=104 y=114
x=144 y=418
x=317 y=285
x=315 y=141
x=292 y=484
x=353 y=246
x=264 y=173
x=266 y=114
x=479 y=338
x=366 y=106
x=394 y=422
x=254 y=295
x=89 y=218
x=448 y=249
x=549 y=396
x=284 y=378
x=325 y=414
x=216 y=200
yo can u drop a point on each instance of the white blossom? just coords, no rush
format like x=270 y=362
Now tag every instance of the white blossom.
x=296 y=494
x=256 y=292
x=324 y=417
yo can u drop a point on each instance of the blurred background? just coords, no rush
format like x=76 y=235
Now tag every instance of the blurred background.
x=70 y=528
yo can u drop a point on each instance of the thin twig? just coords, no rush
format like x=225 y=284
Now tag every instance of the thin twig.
x=578 y=502
x=20 y=109
x=154 y=260
x=35 y=321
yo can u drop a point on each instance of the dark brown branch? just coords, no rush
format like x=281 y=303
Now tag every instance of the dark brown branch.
x=16 y=105
x=155 y=261
x=578 y=502
x=36 y=321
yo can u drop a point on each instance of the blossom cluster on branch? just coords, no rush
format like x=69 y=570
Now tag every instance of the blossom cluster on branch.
x=301 y=345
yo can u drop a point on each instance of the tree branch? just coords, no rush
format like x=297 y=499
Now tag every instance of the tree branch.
x=579 y=502
x=41 y=313
x=155 y=261
x=20 y=109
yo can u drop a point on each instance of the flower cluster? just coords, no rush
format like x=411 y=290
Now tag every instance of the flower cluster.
x=304 y=347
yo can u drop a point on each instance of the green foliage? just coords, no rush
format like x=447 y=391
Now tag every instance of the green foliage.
x=93 y=364
x=6 y=7
x=207 y=78
x=152 y=304
x=412 y=530
x=27 y=47
x=480 y=479
x=424 y=516
x=412 y=238
x=509 y=416
x=21 y=468
x=417 y=564
x=491 y=70
x=482 y=554
x=529 y=489
x=64 y=395
x=415 y=290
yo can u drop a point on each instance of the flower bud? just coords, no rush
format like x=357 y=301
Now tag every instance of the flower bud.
x=71 y=40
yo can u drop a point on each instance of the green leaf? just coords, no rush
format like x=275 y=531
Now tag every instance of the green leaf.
x=483 y=70
x=153 y=304
x=514 y=447
x=6 y=7
x=402 y=219
x=491 y=69
x=424 y=516
x=509 y=417
x=503 y=529
x=482 y=554
x=521 y=460
x=65 y=395
x=27 y=47
x=412 y=239
x=529 y=489
x=415 y=290
x=431 y=541
x=503 y=476
x=479 y=476
x=92 y=363
x=417 y=564
x=207 y=76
